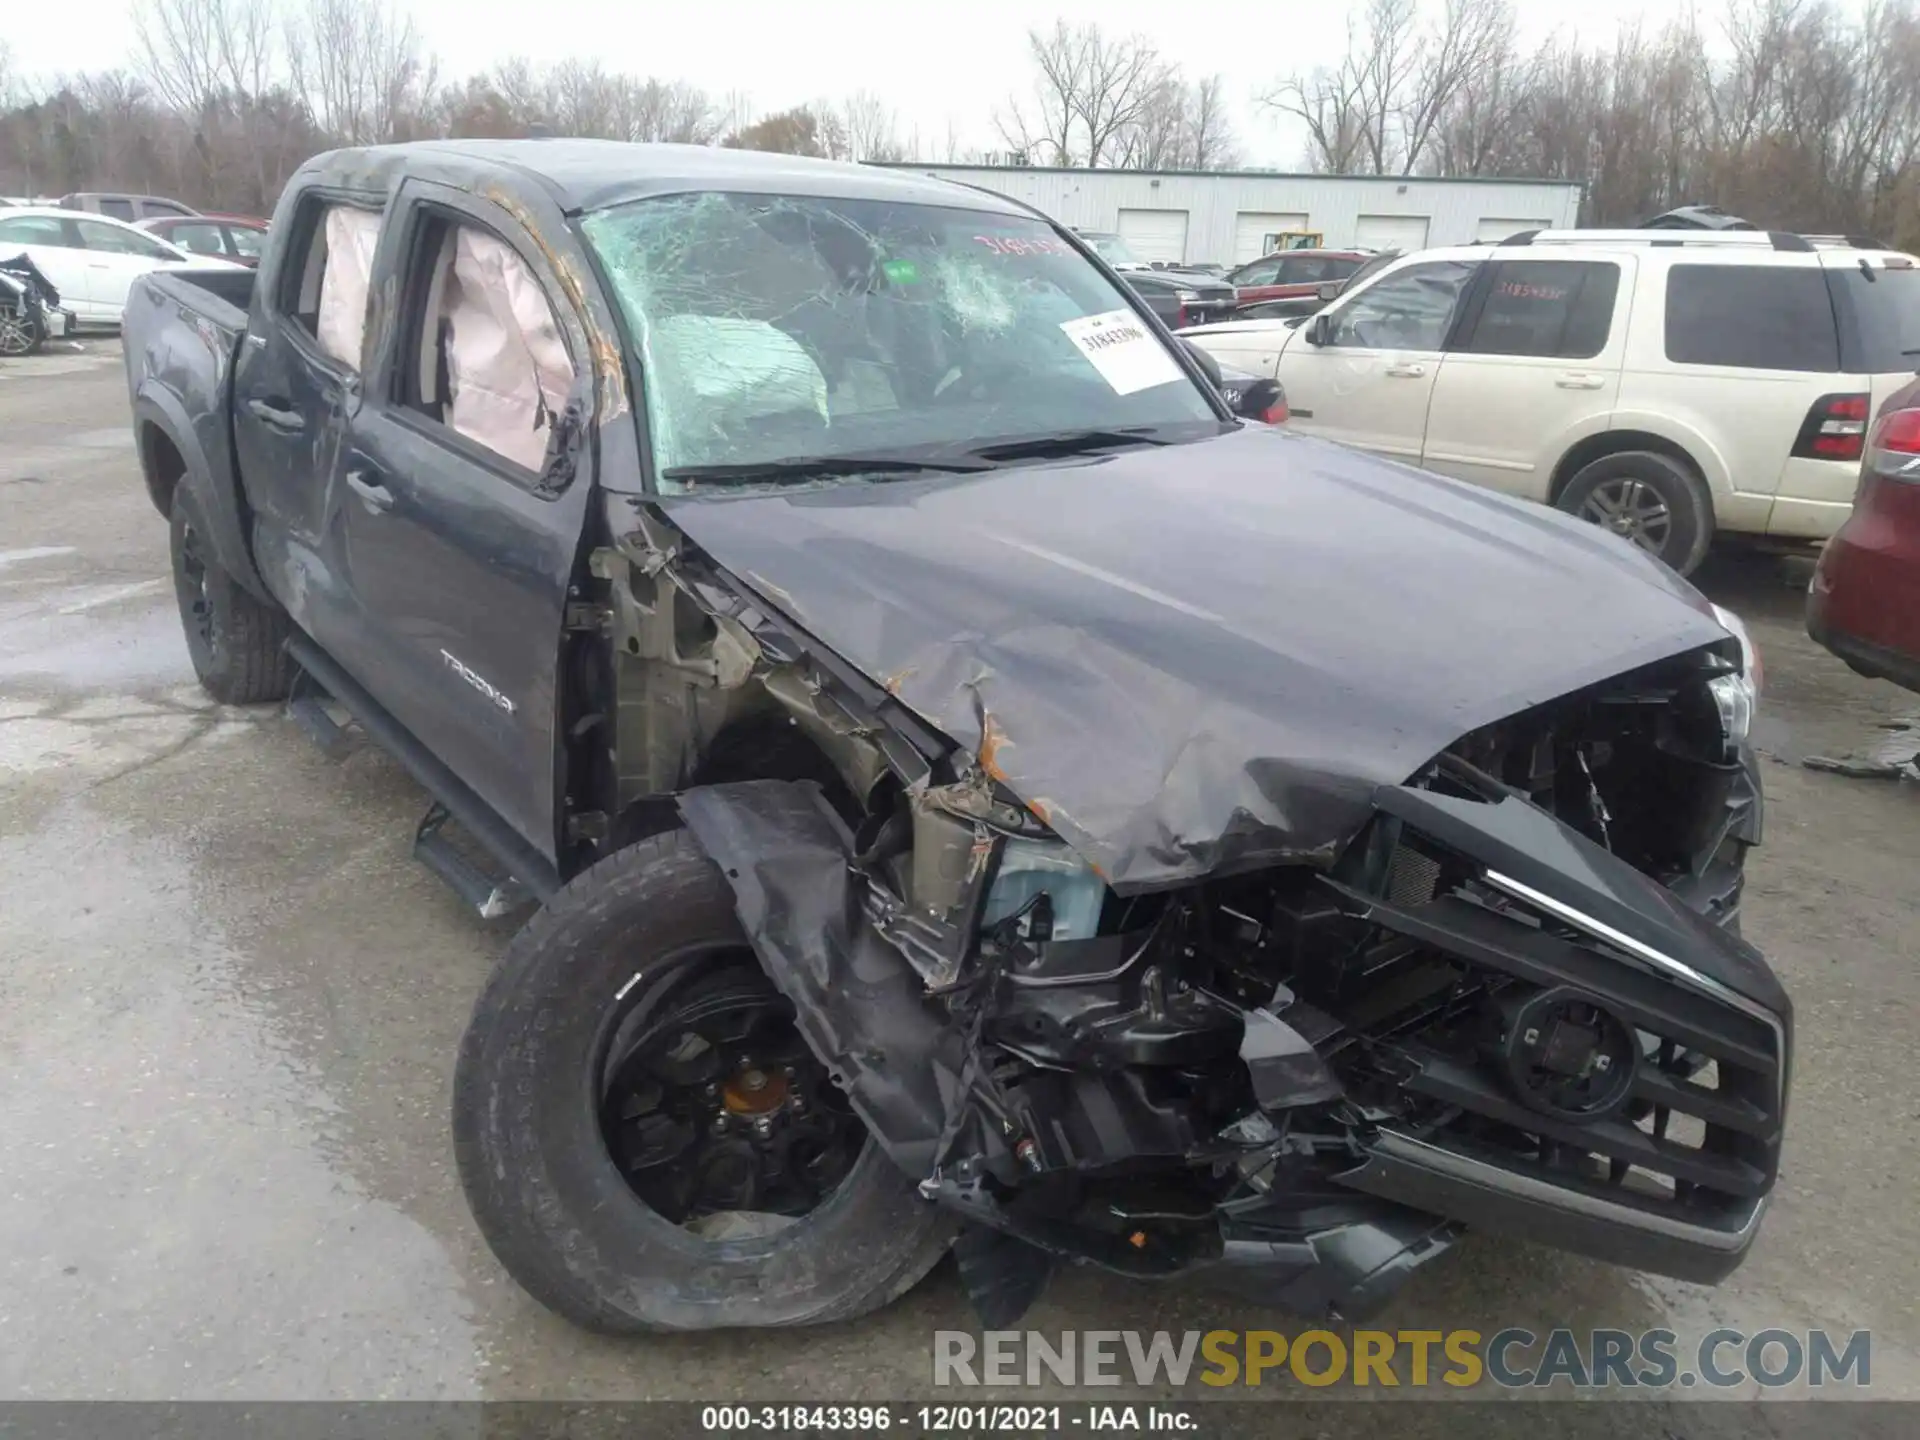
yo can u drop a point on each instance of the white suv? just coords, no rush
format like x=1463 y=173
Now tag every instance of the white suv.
x=1666 y=384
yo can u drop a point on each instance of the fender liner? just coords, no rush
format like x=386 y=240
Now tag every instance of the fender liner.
x=857 y=1001
x=221 y=503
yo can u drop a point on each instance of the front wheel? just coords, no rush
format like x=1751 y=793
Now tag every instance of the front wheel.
x=1651 y=499
x=644 y=1138
x=20 y=332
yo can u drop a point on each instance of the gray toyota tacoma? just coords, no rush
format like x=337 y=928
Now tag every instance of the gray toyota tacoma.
x=977 y=791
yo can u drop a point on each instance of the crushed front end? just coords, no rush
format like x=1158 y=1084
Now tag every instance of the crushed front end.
x=1517 y=1001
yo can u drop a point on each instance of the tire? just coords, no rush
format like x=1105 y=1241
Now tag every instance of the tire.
x=536 y=1164
x=21 y=333
x=1646 y=483
x=237 y=643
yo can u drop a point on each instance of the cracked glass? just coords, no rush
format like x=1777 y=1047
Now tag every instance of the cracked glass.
x=771 y=329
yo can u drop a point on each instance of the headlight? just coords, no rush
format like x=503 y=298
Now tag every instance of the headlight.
x=1737 y=696
x=1187 y=297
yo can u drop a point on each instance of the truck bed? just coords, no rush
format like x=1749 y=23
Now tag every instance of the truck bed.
x=179 y=336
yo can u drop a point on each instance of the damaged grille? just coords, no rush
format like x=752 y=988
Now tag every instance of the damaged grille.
x=1677 y=1113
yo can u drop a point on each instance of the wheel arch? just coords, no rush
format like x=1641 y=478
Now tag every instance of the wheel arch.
x=171 y=456
x=1690 y=450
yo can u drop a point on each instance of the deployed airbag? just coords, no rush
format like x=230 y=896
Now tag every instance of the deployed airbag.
x=508 y=370
x=352 y=236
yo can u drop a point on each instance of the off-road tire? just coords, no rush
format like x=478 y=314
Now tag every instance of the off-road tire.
x=238 y=643
x=1688 y=501
x=546 y=1193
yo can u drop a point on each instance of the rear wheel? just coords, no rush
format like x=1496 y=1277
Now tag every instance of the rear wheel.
x=646 y=1141
x=1651 y=499
x=237 y=642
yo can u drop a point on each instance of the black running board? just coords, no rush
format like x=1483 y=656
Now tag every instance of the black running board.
x=491 y=895
x=520 y=862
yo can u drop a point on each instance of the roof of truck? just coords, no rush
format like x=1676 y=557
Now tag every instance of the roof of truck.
x=593 y=174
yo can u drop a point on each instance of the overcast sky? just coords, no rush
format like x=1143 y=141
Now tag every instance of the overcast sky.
x=950 y=63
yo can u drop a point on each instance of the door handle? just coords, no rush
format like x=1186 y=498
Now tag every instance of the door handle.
x=376 y=495
x=1581 y=382
x=274 y=417
x=1406 y=372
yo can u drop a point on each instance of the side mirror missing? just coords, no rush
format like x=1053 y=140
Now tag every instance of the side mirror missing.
x=1320 y=329
x=1208 y=365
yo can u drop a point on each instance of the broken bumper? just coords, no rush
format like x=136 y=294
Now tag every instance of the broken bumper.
x=1493 y=1195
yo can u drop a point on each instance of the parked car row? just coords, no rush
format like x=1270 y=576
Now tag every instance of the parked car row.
x=92 y=259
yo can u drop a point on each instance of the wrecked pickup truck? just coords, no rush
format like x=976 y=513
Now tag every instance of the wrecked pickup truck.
x=980 y=793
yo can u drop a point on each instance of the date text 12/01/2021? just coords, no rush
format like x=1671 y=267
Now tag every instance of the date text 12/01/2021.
x=943 y=1419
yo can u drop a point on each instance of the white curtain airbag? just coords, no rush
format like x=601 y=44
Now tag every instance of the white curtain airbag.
x=508 y=371
x=352 y=236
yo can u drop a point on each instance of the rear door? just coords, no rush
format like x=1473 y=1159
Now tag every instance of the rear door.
x=1535 y=368
x=457 y=538
x=117 y=255
x=1730 y=356
x=1370 y=382
x=294 y=380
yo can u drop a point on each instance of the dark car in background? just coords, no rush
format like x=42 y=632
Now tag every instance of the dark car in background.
x=239 y=238
x=1864 y=603
x=130 y=208
x=1288 y=282
x=1182 y=297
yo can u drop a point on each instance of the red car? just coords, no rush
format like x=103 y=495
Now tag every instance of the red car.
x=1864 y=603
x=1292 y=275
x=239 y=238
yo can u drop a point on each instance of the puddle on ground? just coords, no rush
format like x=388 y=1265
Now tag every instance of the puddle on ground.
x=172 y=1180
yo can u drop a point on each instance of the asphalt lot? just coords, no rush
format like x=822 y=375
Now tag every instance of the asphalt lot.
x=229 y=1004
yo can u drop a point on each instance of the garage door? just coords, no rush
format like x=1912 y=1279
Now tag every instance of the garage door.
x=1155 y=234
x=1391 y=232
x=1251 y=229
x=1494 y=228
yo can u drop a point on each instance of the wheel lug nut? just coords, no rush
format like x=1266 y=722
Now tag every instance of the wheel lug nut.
x=719 y=1124
x=763 y=1127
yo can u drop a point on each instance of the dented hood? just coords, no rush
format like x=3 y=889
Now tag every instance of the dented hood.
x=1203 y=657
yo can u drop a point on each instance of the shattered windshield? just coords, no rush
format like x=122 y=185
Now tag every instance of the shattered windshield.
x=787 y=331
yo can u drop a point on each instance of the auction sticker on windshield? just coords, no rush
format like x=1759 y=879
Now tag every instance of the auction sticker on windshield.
x=1119 y=347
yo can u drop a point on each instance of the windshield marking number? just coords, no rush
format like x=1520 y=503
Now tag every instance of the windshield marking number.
x=1119 y=347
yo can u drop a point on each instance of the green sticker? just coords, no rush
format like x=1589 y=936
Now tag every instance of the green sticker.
x=901 y=272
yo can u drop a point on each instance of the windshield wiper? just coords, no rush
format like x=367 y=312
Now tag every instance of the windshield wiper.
x=1066 y=442
x=815 y=467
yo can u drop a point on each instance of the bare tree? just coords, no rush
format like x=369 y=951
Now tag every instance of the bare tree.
x=1182 y=126
x=872 y=129
x=802 y=130
x=196 y=52
x=1043 y=127
x=1210 y=141
x=360 y=67
x=1331 y=101
x=1467 y=50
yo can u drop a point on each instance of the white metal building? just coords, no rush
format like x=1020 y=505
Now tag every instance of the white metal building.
x=1231 y=216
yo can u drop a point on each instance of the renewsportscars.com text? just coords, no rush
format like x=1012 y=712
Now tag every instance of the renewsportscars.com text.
x=1512 y=1358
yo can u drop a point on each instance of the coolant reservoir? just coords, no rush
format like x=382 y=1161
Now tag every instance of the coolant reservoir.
x=1031 y=867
